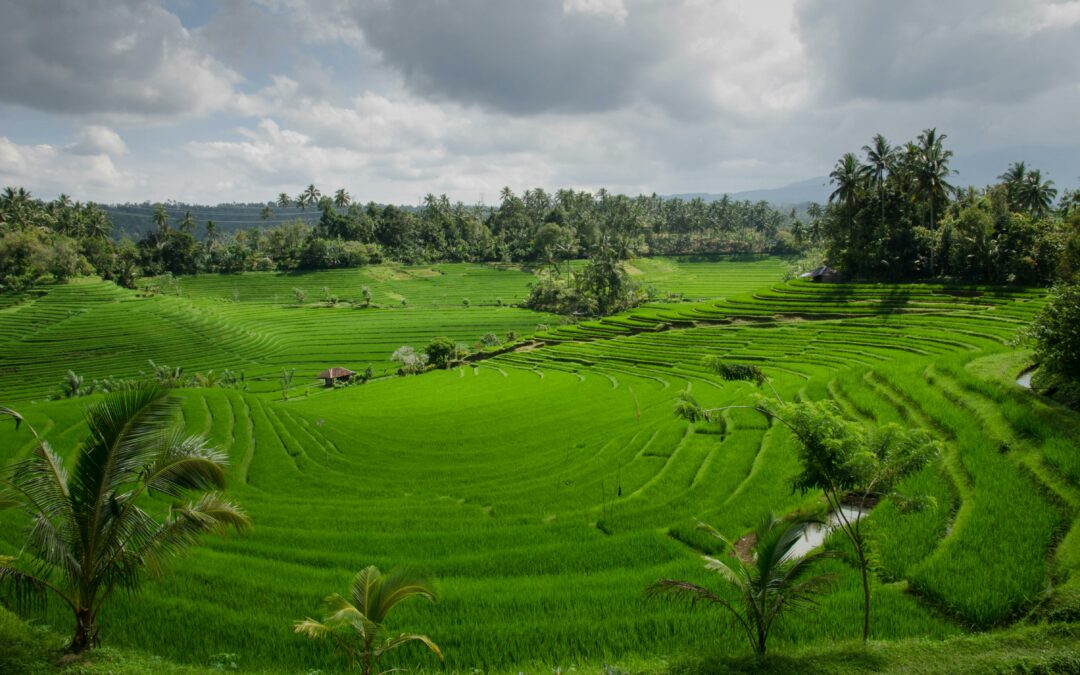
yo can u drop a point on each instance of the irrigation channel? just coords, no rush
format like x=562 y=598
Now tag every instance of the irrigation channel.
x=814 y=534
x=1025 y=378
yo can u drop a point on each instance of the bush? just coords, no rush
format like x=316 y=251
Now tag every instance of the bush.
x=1056 y=333
x=441 y=352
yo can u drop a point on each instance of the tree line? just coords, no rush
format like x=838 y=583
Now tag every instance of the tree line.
x=60 y=239
x=894 y=215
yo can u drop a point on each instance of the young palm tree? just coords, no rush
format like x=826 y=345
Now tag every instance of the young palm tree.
x=772 y=582
x=161 y=219
x=88 y=533
x=356 y=623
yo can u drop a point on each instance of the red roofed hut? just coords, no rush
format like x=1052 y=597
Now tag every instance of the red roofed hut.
x=331 y=375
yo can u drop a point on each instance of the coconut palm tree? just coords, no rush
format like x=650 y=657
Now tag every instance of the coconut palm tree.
x=1013 y=178
x=302 y=201
x=847 y=177
x=1035 y=194
x=932 y=170
x=312 y=194
x=161 y=219
x=879 y=161
x=771 y=582
x=342 y=198
x=89 y=532
x=356 y=623
x=283 y=200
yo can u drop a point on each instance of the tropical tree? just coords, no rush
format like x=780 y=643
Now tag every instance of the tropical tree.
x=187 y=224
x=89 y=532
x=772 y=580
x=879 y=161
x=161 y=220
x=342 y=198
x=312 y=194
x=931 y=173
x=1013 y=178
x=1035 y=194
x=850 y=463
x=266 y=213
x=356 y=623
x=302 y=201
x=847 y=177
x=283 y=200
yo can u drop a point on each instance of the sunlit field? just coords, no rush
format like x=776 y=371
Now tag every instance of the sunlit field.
x=546 y=487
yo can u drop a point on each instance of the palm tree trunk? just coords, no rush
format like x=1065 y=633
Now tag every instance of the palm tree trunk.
x=85 y=635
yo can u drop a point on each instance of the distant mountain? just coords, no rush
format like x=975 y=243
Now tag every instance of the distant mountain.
x=809 y=190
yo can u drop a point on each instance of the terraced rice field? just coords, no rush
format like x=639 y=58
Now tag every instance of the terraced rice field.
x=545 y=488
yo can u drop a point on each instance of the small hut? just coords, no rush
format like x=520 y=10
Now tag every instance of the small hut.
x=331 y=375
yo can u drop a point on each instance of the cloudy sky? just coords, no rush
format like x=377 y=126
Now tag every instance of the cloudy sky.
x=233 y=100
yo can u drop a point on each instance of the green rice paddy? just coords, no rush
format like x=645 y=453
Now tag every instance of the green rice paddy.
x=545 y=488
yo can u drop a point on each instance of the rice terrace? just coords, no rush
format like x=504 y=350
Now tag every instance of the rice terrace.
x=832 y=427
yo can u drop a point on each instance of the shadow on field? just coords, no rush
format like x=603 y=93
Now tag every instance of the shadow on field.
x=855 y=658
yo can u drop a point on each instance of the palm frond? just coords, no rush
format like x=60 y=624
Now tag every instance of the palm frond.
x=399 y=585
x=395 y=642
x=25 y=591
x=125 y=428
x=365 y=590
x=184 y=463
x=312 y=628
x=678 y=589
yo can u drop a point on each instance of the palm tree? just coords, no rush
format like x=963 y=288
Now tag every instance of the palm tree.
x=88 y=533
x=879 y=160
x=283 y=200
x=342 y=198
x=847 y=177
x=932 y=170
x=161 y=219
x=312 y=194
x=772 y=582
x=1014 y=178
x=302 y=200
x=1035 y=194
x=266 y=213
x=188 y=223
x=356 y=623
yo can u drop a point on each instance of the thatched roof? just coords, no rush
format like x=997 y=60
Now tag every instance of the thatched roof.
x=335 y=373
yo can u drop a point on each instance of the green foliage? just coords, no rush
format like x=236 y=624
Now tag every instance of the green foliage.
x=356 y=622
x=1056 y=333
x=769 y=582
x=442 y=352
x=89 y=531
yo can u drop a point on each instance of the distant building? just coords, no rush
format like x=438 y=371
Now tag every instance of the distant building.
x=331 y=375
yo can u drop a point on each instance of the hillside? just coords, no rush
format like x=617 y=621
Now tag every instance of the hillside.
x=555 y=481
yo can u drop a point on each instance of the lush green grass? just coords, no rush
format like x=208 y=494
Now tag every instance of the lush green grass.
x=546 y=488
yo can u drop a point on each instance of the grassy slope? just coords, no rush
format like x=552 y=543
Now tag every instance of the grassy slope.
x=1047 y=648
x=541 y=488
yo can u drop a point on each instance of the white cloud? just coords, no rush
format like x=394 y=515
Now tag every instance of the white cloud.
x=49 y=170
x=129 y=60
x=94 y=139
x=614 y=9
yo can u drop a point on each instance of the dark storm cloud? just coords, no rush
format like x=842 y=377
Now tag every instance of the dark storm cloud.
x=101 y=56
x=516 y=56
x=978 y=50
